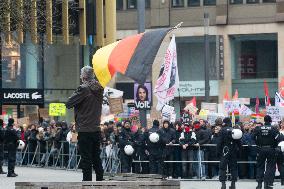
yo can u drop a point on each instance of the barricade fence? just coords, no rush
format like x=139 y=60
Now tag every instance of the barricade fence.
x=65 y=155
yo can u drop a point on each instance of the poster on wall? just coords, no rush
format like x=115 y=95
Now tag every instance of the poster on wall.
x=247 y=64
x=143 y=95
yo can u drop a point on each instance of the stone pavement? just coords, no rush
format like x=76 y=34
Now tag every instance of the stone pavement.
x=27 y=174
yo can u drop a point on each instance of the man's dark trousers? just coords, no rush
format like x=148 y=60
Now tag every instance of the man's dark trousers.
x=89 y=147
x=266 y=154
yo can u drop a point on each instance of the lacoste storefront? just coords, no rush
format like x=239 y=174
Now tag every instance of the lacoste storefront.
x=19 y=103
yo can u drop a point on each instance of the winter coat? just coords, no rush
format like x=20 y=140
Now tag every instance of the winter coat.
x=87 y=102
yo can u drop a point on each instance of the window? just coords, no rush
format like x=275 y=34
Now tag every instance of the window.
x=193 y=3
x=191 y=58
x=177 y=3
x=209 y=2
x=21 y=67
x=252 y=1
x=119 y=4
x=132 y=4
x=236 y=1
x=254 y=56
x=268 y=1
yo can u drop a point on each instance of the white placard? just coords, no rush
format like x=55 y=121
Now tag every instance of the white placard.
x=244 y=110
x=230 y=106
x=212 y=107
x=274 y=113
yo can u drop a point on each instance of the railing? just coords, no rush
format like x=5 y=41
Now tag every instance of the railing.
x=63 y=155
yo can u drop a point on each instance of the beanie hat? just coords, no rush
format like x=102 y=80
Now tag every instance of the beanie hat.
x=156 y=123
x=227 y=121
x=10 y=122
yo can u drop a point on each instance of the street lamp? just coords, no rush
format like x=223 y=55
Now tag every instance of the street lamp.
x=206 y=57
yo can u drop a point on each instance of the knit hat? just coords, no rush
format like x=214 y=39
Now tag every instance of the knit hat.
x=227 y=121
x=10 y=122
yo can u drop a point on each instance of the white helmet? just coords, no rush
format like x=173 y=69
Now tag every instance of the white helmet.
x=154 y=137
x=128 y=149
x=237 y=134
x=281 y=145
x=21 y=145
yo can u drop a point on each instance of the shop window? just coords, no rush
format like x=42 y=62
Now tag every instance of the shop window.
x=132 y=4
x=119 y=4
x=177 y=3
x=190 y=58
x=255 y=56
x=193 y=3
x=209 y=2
x=252 y=1
x=236 y=1
x=21 y=67
x=268 y=1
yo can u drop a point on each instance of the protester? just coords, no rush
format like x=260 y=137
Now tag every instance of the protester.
x=168 y=138
x=187 y=139
x=87 y=104
x=155 y=150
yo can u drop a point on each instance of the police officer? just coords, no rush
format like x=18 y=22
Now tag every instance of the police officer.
x=1 y=147
x=11 y=139
x=266 y=138
x=154 y=150
x=125 y=138
x=228 y=149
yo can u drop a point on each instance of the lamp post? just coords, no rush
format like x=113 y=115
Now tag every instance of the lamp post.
x=206 y=57
x=141 y=28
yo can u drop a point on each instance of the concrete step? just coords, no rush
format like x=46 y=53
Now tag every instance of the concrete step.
x=165 y=184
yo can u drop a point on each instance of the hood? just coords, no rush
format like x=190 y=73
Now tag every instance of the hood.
x=93 y=85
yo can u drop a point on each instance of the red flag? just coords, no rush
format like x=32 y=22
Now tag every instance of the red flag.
x=226 y=96
x=281 y=88
x=257 y=105
x=236 y=96
x=266 y=93
x=193 y=101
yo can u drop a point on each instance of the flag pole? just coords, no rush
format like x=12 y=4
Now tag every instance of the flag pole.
x=179 y=102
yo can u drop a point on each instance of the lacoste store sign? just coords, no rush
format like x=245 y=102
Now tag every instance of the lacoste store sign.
x=22 y=96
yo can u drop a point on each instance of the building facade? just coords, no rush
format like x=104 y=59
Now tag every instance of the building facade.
x=246 y=40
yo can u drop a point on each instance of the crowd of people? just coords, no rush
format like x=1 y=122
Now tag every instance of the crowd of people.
x=185 y=145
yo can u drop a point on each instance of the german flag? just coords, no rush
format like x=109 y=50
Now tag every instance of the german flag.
x=132 y=56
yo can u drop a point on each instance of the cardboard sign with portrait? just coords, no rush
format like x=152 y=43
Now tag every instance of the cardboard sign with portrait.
x=143 y=95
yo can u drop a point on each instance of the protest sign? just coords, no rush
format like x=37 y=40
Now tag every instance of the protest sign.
x=212 y=107
x=33 y=118
x=191 y=109
x=43 y=112
x=244 y=110
x=24 y=120
x=211 y=117
x=230 y=106
x=115 y=105
x=274 y=113
x=57 y=109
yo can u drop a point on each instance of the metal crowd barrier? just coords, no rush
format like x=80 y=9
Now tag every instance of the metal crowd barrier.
x=62 y=158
